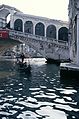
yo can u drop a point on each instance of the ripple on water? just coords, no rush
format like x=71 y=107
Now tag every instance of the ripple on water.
x=66 y=107
x=67 y=98
x=28 y=115
x=34 y=89
x=66 y=91
x=1 y=91
x=62 y=101
x=51 y=113
x=41 y=97
x=46 y=96
x=18 y=107
x=27 y=104
x=31 y=99
x=43 y=87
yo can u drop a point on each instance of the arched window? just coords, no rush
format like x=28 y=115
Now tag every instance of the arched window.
x=18 y=25
x=28 y=27
x=39 y=29
x=51 y=31
x=63 y=34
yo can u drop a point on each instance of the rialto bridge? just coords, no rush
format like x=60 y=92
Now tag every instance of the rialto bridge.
x=48 y=36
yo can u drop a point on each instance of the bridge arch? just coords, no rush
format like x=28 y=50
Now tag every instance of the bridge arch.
x=51 y=31
x=63 y=34
x=18 y=25
x=28 y=27
x=4 y=12
x=40 y=29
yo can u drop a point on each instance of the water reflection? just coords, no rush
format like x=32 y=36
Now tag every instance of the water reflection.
x=41 y=95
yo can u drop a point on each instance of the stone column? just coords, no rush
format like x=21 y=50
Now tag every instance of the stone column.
x=12 y=19
x=70 y=46
x=77 y=58
x=34 y=29
x=1 y=23
x=45 y=31
x=57 y=33
x=23 y=26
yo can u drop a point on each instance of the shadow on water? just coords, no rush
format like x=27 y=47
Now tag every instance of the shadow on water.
x=70 y=80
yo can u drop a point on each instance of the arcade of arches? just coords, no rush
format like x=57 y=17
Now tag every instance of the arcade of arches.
x=51 y=30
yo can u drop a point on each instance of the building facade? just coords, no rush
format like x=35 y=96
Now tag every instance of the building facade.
x=74 y=30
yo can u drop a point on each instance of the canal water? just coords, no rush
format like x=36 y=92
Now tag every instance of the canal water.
x=39 y=95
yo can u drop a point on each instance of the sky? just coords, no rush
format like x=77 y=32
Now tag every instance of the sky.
x=54 y=9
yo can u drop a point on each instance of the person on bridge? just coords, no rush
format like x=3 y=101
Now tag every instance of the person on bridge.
x=22 y=57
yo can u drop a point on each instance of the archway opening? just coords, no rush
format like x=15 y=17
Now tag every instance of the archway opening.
x=18 y=25
x=39 y=29
x=28 y=27
x=51 y=31
x=63 y=34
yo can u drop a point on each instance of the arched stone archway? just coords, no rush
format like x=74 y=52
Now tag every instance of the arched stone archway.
x=28 y=27
x=63 y=34
x=18 y=25
x=40 y=29
x=4 y=13
x=51 y=31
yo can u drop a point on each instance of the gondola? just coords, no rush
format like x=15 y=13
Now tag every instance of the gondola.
x=24 y=68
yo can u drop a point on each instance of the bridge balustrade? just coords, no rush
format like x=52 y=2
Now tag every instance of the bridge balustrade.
x=36 y=37
x=22 y=36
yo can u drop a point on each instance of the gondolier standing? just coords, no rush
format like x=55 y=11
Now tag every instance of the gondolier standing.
x=22 y=57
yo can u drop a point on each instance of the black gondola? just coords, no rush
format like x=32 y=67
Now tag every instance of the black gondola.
x=24 y=68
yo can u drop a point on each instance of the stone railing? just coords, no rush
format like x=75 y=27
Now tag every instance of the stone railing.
x=37 y=37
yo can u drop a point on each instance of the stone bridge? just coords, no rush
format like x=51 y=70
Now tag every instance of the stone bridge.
x=48 y=36
x=48 y=48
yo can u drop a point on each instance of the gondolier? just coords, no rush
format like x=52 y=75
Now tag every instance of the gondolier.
x=22 y=57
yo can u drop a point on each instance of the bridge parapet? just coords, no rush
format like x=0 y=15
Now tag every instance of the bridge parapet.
x=57 y=50
x=38 y=38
